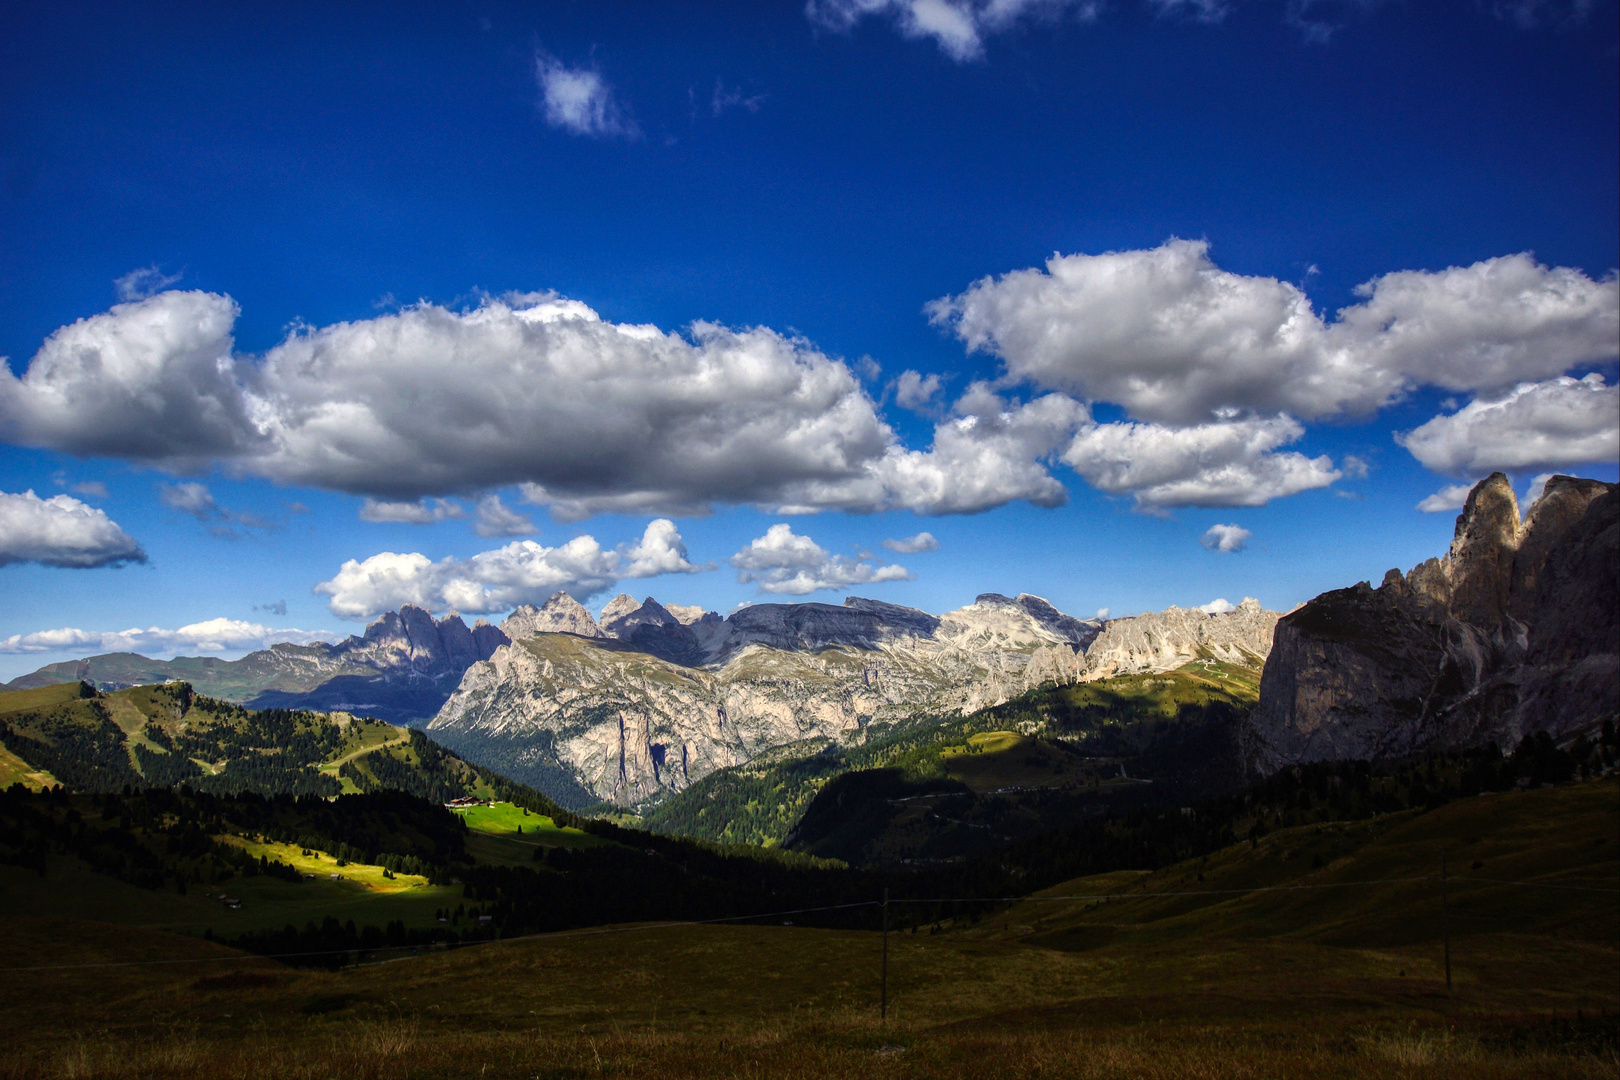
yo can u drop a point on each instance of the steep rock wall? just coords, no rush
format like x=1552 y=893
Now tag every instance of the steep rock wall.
x=1513 y=631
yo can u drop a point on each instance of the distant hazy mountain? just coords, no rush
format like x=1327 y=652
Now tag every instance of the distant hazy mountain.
x=652 y=699
x=401 y=670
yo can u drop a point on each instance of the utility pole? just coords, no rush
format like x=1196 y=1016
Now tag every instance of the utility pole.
x=1445 y=919
x=883 y=1008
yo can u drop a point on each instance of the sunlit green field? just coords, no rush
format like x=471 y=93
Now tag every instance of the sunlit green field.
x=504 y=819
x=71 y=890
x=509 y=835
x=1000 y=760
x=14 y=770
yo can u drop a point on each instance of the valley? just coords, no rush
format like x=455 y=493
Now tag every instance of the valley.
x=1073 y=849
x=1085 y=747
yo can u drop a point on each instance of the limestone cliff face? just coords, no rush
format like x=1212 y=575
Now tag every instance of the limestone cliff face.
x=1168 y=639
x=1513 y=631
x=562 y=614
x=667 y=695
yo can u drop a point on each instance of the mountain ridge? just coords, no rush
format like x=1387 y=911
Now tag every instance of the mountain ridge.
x=400 y=669
x=1513 y=631
x=642 y=705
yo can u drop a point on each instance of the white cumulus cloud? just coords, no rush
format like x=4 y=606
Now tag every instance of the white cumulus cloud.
x=660 y=551
x=1175 y=339
x=992 y=451
x=61 y=531
x=496 y=519
x=589 y=416
x=580 y=100
x=1226 y=538
x=208 y=636
x=153 y=381
x=1447 y=498
x=784 y=562
x=1535 y=425
x=915 y=391
x=522 y=572
x=911 y=545
x=1218 y=606
x=1225 y=463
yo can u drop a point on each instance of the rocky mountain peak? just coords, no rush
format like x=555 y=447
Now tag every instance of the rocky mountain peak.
x=1482 y=551
x=618 y=608
x=1167 y=639
x=688 y=614
x=561 y=614
x=622 y=622
x=1564 y=502
x=456 y=642
x=1077 y=632
x=1025 y=622
x=651 y=628
x=409 y=635
x=896 y=618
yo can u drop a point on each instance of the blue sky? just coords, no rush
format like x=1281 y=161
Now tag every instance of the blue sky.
x=309 y=245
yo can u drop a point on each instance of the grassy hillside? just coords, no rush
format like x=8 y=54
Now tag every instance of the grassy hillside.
x=1087 y=739
x=166 y=735
x=1032 y=837
x=1542 y=863
x=1097 y=977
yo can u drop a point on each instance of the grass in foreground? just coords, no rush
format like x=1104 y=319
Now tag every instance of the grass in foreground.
x=769 y=1001
x=1335 y=982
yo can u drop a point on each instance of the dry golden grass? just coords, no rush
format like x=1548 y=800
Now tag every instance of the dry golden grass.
x=778 y=1001
x=830 y=1046
x=1334 y=983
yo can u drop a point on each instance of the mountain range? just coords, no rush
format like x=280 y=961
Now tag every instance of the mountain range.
x=651 y=699
x=1512 y=632
x=401 y=670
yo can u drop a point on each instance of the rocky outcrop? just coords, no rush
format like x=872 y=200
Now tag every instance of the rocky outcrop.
x=1173 y=637
x=669 y=695
x=652 y=630
x=999 y=622
x=1514 y=631
x=562 y=614
x=859 y=623
x=587 y=720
